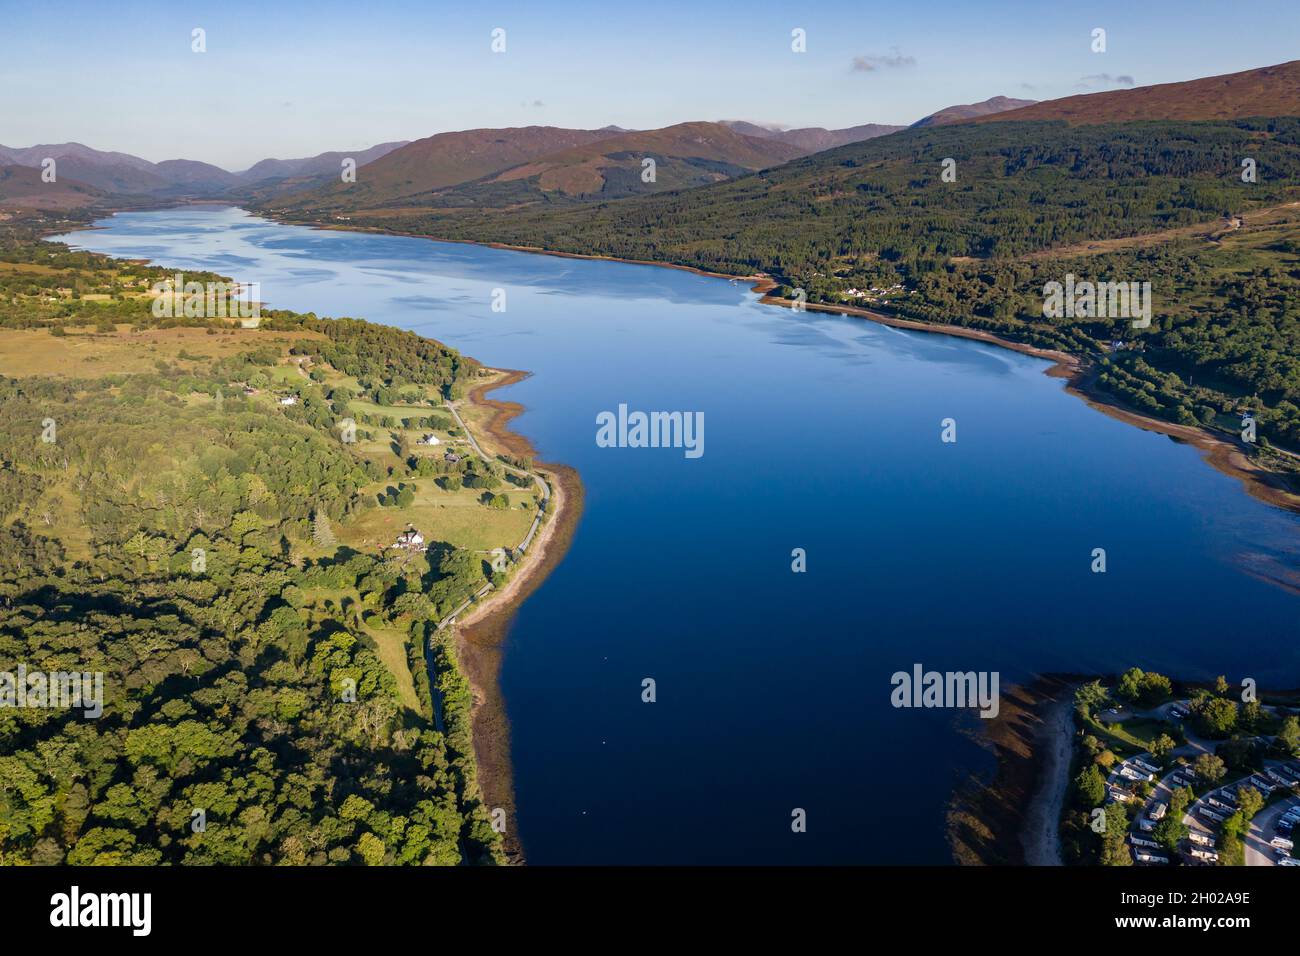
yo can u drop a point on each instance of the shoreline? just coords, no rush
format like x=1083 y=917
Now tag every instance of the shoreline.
x=1224 y=456
x=481 y=632
x=989 y=819
x=1219 y=453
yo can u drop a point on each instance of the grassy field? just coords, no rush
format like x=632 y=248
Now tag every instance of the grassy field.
x=455 y=517
x=390 y=645
x=1134 y=735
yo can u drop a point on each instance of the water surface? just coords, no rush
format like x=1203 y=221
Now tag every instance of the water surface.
x=822 y=433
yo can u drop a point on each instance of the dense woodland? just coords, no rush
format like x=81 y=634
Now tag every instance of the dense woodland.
x=176 y=535
x=878 y=213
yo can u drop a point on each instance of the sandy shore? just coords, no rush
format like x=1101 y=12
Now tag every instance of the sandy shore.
x=481 y=632
x=1040 y=833
x=1011 y=817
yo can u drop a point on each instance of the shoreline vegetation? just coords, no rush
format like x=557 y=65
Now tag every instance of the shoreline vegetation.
x=481 y=631
x=987 y=822
x=1227 y=457
x=1020 y=814
x=335 y=616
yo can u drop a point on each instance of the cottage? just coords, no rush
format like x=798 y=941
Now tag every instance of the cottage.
x=451 y=458
x=289 y=400
x=410 y=540
x=430 y=440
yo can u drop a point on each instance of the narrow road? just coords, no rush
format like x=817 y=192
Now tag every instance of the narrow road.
x=542 y=486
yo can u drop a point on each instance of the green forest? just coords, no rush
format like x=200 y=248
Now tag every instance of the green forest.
x=171 y=527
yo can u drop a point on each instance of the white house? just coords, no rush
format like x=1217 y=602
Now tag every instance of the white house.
x=289 y=400
x=430 y=440
x=410 y=539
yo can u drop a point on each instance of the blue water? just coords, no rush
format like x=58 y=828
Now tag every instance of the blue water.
x=823 y=433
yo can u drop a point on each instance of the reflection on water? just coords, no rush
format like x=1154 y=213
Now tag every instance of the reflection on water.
x=823 y=434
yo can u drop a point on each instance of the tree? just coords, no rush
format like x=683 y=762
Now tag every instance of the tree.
x=1249 y=801
x=1114 y=849
x=1252 y=715
x=1239 y=753
x=1091 y=696
x=321 y=531
x=1288 y=735
x=1170 y=831
x=1090 y=787
x=1138 y=686
x=371 y=849
x=1215 y=716
x=1162 y=746
x=1209 y=768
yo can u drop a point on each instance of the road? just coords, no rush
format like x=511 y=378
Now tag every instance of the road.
x=542 y=486
x=1262 y=829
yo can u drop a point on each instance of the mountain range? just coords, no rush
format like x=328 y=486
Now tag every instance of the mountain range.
x=519 y=167
x=492 y=166
x=124 y=174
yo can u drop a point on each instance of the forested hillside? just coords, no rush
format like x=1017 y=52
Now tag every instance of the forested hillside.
x=168 y=523
x=977 y=251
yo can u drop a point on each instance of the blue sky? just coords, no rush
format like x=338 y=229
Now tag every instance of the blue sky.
x=295 y=78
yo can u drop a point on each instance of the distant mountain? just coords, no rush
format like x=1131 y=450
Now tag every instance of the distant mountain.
x=124 y=174
x=813 y=139
x=324 y=164
x=1267 y=91
x=687 y=154
x=21 y=187
x=188 y=177
x=111 y=172
x=444 y=160
x=516 y=167
x=969 y=111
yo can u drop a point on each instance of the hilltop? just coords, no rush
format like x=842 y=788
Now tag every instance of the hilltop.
x=1266 y=91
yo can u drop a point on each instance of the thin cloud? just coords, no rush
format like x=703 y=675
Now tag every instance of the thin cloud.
x=1094 y=80
x=872 y=62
